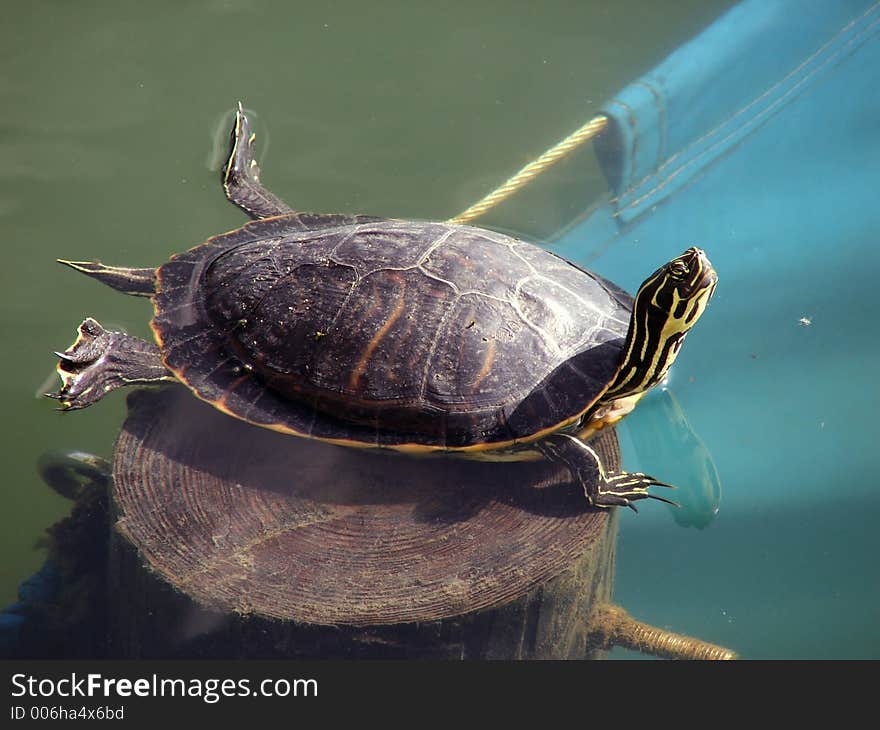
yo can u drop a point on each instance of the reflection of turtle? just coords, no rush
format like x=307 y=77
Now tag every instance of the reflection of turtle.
x=253 y=522
x=401 y=557
x=412 y=336
x=664 y=436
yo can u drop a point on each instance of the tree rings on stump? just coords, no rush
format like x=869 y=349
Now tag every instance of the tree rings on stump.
x=245 y=520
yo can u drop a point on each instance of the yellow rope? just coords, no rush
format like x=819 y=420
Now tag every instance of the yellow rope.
x=533 y=169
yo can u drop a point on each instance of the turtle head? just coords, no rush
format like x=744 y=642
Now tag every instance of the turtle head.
x=682 y=287
x=667 y=305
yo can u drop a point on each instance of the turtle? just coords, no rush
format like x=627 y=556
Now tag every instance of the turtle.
x=419 y=337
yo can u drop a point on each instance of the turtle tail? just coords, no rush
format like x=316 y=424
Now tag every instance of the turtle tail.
x=138 y=282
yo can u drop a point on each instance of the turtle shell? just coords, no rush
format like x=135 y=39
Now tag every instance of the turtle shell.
x=377 y=332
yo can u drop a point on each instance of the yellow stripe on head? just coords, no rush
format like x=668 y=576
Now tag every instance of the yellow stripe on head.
x=667 y=305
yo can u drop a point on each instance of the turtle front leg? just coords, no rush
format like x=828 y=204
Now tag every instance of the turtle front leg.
x=102 y=360
x=241 y=174
x=602 y=488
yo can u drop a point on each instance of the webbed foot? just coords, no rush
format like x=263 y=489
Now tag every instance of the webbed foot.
x=241 y=174
x=101 y=360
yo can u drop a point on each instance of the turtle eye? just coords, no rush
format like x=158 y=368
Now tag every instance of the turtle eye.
x=678 y=270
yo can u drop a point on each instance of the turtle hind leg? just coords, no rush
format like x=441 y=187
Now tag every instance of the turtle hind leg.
x=241 y=174
x=139 y=282
x=102 y=360
x=602 y=489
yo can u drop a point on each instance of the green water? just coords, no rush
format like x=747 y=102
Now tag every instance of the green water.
x=109 y=135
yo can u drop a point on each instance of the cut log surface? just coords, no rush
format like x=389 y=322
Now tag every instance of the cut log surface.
x=245 y=520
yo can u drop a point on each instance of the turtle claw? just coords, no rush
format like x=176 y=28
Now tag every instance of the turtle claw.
x=621 y=489
x=609 y=499
x=73 y=356
x=663 y=499
x=58 y=397
x=635 y=479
